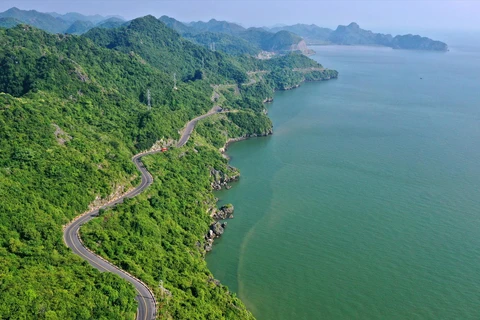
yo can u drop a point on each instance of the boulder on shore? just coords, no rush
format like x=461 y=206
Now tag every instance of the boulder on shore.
x=218 y=228
x=224 y=212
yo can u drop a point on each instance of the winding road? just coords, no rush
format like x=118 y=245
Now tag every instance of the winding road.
x=191 y=125
x=145 y=298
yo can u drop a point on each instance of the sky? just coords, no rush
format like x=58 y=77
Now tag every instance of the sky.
x=395 y=16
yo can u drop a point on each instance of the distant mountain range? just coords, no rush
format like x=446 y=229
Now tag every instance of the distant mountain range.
x=72 y=22
x=235 y=39
x=227 y=36
x=354 y=35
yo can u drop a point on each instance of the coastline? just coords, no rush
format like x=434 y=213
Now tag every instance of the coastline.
x=223 y=150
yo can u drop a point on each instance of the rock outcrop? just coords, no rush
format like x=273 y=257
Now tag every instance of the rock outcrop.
x=215 y=231
x=221 y=179
x=225 y=212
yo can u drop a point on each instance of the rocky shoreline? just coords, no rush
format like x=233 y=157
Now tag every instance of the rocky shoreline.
x=222 y=180
x=217 y=228
x=245 y=137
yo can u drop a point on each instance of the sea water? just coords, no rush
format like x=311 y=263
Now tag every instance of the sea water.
x=365 y=202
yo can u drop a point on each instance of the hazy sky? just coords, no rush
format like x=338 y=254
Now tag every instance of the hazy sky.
x=383 y=16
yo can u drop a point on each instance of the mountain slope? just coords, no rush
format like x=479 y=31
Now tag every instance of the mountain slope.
x=176 y=25
x=216 y=26
x=224 y=43
x=416 y=42
x=37 y=19
x=311 y=33
x=165 y=49
x=352 y=34
x=9 y=22
x=71 y=17
x=234 y=39
x=79 y=27
x=112 y=23
x=72 y=113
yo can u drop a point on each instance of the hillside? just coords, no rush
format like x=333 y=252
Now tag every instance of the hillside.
x=72 y=22
x=9 y=22
x=234 y=39
x=224 y=43
x=37 y=19
x=352 y=34
x=312 y=33
x=79 y=27
x=112 y=23
x=216 y=26
x=74 y=110
x=416 y=42
x=71 y=17
x=176 y=25
x=165 y=49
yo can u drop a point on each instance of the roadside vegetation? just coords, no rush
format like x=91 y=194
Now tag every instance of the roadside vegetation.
x=73 y=110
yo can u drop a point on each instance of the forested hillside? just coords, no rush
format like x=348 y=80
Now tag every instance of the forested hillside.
x=234 y=39
x=71 y=23
x=352 y=34
x=165 y=49
x=73 y=110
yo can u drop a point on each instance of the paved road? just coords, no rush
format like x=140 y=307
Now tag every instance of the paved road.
x=146 y=300
x=191 y=125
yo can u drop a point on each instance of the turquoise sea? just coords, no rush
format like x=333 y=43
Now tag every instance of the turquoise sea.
x=365 y=203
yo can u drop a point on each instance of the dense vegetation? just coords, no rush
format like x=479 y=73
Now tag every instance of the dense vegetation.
x=9 y=22
x=165 y=49
x=79 y=27
x=158 y=236
x=40 y=20
x=73 y=110
x=224 y=43
x=72 y=22
x=226 y=34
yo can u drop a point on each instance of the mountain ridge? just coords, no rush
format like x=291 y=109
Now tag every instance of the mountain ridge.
x=353 y=34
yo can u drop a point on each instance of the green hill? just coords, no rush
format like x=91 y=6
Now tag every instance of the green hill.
x=79 y=27
x=165 y=49
x=72 y=114
x=9 y=22
x=281 y=41
x=71 y=17
x=416 y=42
x=37 y=19
x=352 y=34
x=216 y=26
x=177 y=25
x=112 y=23
x=224 y=43
x=312 y=33
x=234 y=39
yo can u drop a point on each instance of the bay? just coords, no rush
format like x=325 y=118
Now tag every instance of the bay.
x=365 y=203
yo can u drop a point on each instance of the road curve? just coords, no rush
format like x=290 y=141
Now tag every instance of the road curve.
x=191 y=125
x=145 y=298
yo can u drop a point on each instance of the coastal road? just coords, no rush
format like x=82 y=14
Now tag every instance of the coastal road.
x=146 y=301
x=191 y=125
x=145 y=298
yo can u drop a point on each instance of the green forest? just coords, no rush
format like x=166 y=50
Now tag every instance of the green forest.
x=73 y=111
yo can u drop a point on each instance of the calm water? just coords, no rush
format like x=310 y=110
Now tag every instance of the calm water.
x=365 y=203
